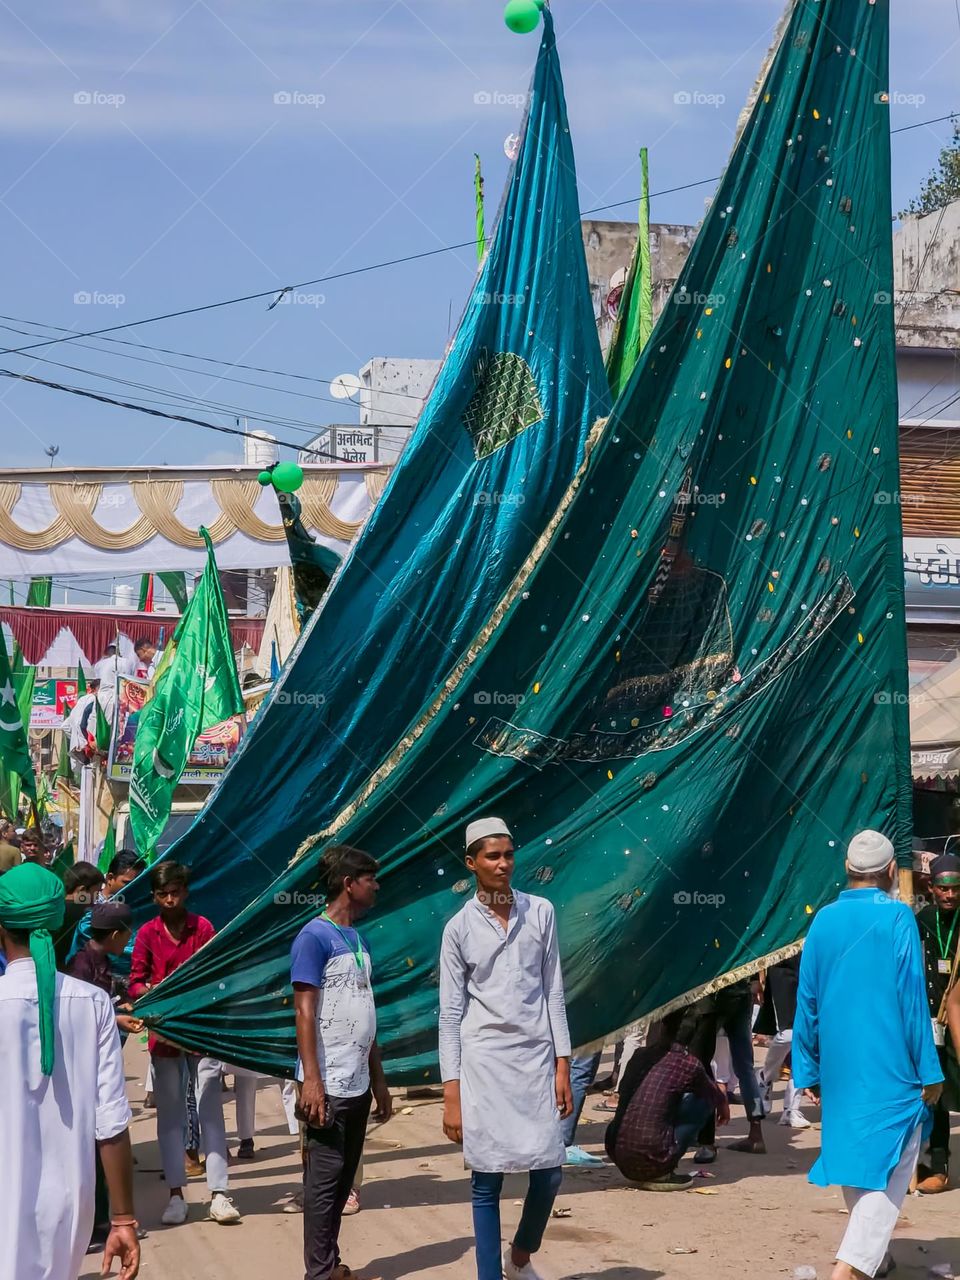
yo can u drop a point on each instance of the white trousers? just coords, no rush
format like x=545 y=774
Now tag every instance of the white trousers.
x=245 y=1086
x=170 y=1095
x=873 y=1214
x=777 y=1054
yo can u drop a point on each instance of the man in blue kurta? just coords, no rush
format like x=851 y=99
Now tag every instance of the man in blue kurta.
x=862 y=1037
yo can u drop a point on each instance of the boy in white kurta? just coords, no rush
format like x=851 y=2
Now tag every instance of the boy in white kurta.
x=62 y=1095
x=504 y=1049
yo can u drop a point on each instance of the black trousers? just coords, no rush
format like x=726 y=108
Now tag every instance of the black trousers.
x=939 y=1149
x=333 y=1155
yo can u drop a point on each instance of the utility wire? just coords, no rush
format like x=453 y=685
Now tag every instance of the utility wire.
x=158 y=413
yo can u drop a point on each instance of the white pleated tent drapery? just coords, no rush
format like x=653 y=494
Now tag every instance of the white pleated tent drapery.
x=128 y=520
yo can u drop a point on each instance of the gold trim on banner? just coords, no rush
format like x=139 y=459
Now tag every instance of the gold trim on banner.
x=76 y=505
x=158 y=500
x=238 y=498
x=689 y=997
x=315 y=499
x=376 y=482
x=468 y=659
x=27 y=539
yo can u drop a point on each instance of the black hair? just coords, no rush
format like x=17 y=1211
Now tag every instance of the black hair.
x=164 y=874
x=342 y=862
x=82 y=875
x=141 y=643
x=126 y=860
x=101 y=935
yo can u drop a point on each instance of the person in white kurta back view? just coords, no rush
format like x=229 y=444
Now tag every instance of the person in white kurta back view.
x=504 y=1049
x=62 y=1093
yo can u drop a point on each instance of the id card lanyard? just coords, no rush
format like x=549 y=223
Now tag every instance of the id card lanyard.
x=358 y=953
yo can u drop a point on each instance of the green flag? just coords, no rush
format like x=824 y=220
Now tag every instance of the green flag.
x=102 y=729
x=14 y=753
x=109 y=850
x=63 y=761
x=196 y=687
x=176 y=584
x=635 y=313
x=81 y=682
x=39 y=594
x=481 y=230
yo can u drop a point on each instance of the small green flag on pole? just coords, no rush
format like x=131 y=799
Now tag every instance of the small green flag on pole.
x=14 y=753
x=635 y=314
x=101 y=732
x=39 y=593
x=481 y=229
x=81 y=681
x=109 y=850
x=196 y=687
x=63 y=762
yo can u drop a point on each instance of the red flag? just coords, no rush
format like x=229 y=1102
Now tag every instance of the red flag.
x=146 y=593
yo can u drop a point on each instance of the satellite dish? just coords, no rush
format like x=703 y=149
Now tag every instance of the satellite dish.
x=511 y=146
x=346 y=386
x=619 y=278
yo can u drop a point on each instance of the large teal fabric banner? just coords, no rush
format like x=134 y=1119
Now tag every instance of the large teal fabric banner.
x=499 y=440
x=692 y=694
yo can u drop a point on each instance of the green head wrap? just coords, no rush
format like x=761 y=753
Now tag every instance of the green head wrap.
x=32 y=901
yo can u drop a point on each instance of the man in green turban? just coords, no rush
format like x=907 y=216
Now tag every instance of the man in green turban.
x=62 y=1095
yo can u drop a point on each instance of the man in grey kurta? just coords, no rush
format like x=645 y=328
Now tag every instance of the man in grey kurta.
x=504 y=1049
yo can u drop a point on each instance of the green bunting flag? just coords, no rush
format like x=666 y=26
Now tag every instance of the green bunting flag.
x=195 y=687
x=14 y=753
x=635 y=313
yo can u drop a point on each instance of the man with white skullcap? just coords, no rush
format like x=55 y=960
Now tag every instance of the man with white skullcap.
x=862 y=1039
x=504 y=1049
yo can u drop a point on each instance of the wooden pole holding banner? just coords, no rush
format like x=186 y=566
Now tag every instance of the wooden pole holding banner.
x=906 y=884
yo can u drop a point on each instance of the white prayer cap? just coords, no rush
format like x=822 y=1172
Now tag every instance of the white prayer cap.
x=869 y=852
x=484 y=827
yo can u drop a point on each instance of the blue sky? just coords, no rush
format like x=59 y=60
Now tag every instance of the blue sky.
x=148 y=165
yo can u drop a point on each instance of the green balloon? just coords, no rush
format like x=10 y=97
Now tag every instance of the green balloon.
x=522 y=16
x=264 y=477
x=287 y=477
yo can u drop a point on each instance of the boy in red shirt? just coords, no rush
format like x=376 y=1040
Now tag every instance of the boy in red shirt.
x=162 y=946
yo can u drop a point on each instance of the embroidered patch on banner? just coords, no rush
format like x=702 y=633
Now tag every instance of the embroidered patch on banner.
x=505 y=402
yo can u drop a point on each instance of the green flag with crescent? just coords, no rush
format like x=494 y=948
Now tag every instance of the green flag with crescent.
x=195 y=687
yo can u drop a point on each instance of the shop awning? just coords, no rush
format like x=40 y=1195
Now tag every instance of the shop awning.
x=935 y=724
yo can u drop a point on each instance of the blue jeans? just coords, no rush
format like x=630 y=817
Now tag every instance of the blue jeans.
x=692 y=1115
x=583 y=1072
x=544 y=1185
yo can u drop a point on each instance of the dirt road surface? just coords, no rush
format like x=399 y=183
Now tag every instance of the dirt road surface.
x=757 y=1218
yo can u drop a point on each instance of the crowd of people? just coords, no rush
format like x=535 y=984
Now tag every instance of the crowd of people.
x=864 y=1019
